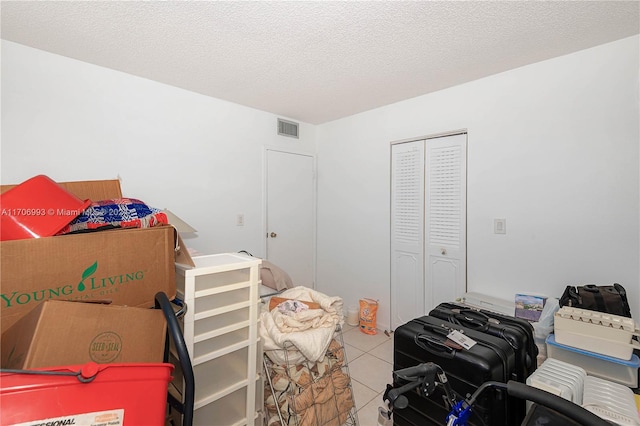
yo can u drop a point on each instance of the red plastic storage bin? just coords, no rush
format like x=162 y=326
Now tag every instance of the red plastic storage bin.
x=111 y=394
x=38 y=207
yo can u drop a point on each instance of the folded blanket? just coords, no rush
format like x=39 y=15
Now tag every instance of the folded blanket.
x=303 y=335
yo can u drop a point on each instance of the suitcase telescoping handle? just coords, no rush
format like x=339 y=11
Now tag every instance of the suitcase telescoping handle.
x=162 y=301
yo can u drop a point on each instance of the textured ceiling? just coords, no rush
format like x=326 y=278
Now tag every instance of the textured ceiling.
x=315 y=61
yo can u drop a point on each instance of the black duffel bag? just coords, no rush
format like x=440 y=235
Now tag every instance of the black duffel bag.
x=606 y=298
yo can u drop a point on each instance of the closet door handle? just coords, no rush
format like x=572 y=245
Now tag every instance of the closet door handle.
x=443 y=251
x=273 y=235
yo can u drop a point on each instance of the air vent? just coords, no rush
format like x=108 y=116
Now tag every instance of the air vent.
x=288 y=128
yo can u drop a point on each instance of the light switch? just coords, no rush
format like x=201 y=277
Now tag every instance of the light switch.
x=499 y=226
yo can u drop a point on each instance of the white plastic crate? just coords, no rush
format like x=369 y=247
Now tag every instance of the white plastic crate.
x=593 y=331
x=598 y=365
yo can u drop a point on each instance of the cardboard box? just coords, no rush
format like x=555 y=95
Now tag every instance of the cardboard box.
x=57 y=333
x=124 y=266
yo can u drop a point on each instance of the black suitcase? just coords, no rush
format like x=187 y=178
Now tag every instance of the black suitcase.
x=515 y=331
x=490 y=359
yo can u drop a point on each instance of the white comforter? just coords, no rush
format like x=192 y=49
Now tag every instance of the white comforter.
x=303 y=335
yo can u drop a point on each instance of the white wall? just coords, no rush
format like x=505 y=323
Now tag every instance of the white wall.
x=198 y=156
x=552 y=147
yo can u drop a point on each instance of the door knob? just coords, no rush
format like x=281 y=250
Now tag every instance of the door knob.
x=443 y=251
x=273 y=235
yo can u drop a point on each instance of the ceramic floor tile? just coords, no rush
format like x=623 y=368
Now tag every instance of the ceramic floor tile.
x=362 y=394
x=346 y=327
x=362 y=341
x=371 y=372
x=352 y=353
x=384 y=351
x=368 y=415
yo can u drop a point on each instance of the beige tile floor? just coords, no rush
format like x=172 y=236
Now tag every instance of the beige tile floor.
x=370 y=363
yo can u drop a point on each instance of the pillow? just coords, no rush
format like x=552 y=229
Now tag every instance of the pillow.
x=116 y=213
x=274 y=277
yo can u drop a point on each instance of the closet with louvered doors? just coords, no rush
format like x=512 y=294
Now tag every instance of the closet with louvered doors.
x=428 y=224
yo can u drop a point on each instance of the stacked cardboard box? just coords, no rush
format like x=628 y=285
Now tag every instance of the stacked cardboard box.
x=58 y=333
x=42 y=279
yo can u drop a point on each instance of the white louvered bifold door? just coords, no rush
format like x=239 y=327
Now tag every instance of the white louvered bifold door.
x=445 y=219
x=407 y=232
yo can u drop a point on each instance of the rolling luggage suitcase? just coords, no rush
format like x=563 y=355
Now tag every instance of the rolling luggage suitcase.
x=515 y=331
x=514 y=322
x=520 y=323
x=491 y=358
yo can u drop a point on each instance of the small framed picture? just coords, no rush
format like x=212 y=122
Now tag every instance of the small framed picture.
x=529 y=306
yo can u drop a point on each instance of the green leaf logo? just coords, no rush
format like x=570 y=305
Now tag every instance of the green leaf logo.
x=87 y=272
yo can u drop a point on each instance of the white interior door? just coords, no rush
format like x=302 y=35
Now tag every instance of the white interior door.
x=445 y=219
x=290 y=214
x=407 y=232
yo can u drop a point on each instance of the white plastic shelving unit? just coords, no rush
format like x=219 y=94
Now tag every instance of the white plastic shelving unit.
x=221 y=335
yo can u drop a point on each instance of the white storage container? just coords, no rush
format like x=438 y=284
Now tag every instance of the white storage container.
x=490 y=303
x=220 y=329
x=602 y=366
x=593 y=331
